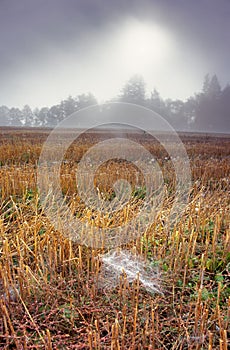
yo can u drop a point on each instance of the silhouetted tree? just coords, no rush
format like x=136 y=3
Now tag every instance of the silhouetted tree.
x=134 y=91
x=15 y=117
x=208 y=110
x=213 y=88
x=190 y=107
x=208 y=105
x=67 y=107
x=4 y=115
x=156 y=103
x=225 y=109
x=85 y=100
x=27 y=116
x=36 y=121
x=54 y=116
x=43 y=116
x=175 y=113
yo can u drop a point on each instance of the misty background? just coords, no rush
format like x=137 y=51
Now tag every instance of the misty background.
x=59 y=56
x=208 y=110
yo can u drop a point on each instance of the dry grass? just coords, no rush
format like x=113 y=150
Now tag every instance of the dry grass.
x=49 y=295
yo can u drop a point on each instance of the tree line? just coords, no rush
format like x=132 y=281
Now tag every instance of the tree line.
x=208 y=110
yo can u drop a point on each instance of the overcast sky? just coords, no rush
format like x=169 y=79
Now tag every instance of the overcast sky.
x=50 y=49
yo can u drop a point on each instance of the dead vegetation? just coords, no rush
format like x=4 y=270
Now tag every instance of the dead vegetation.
x=49 y=292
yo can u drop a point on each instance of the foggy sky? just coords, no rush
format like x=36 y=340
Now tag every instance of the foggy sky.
x=50 y=49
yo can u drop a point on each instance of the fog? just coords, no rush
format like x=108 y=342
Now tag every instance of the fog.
x=50 y=50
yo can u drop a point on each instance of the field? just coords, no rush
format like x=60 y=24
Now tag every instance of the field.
x=51 y=292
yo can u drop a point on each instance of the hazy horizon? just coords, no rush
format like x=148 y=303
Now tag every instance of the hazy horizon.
x=52 y=50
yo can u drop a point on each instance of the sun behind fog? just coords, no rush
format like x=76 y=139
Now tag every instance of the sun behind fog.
x=143 y=44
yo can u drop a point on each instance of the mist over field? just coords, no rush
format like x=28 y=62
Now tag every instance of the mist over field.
x=61 y=56
x=114 y=174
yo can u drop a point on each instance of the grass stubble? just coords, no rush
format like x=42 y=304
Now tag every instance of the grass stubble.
x=49 y=292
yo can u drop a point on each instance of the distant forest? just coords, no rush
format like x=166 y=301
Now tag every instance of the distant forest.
x=208 y=110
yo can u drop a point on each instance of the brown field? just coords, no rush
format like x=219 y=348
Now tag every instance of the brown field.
x=49 y=292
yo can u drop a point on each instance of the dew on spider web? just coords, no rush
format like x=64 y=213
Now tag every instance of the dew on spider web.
x=116 y=263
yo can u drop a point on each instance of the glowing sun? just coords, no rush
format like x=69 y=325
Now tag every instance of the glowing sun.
x=142 y=44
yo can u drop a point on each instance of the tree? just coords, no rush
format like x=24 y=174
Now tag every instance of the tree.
x=15 y=117
x=50 y=117
x=43 y=116
x=4 y=115
x=85 y=100
x=134 y=91
x=190 y=107
x=214 y=88
x=156 y=103
x=36 y=121
x=206 y=84
x=225 y=109
x=68 y=107
x=176 y=114
x=208 y=105
x=54 y=116
x=27 y=116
